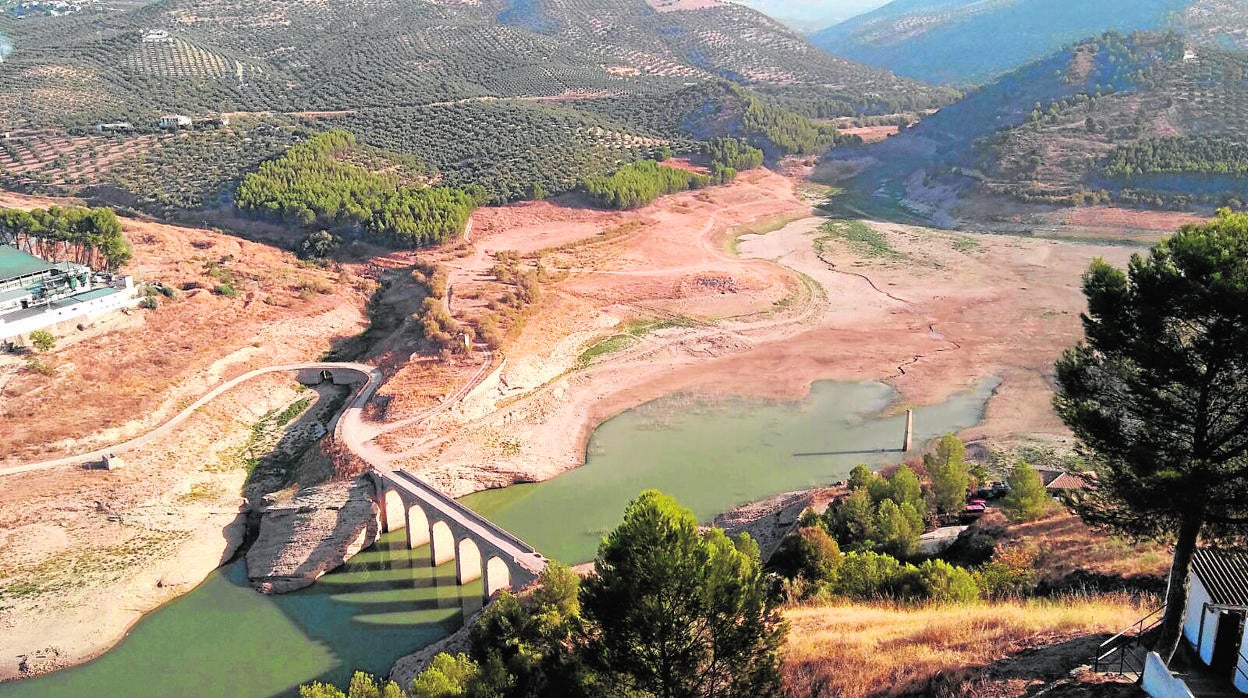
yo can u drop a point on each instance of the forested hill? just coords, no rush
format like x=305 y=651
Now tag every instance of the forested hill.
x=1142 y=120
x=973 y=41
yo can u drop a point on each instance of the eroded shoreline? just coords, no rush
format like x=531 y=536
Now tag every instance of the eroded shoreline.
x=771 y=335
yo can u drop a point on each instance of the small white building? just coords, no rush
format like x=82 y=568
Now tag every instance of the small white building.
x=1217 y=604
x=175 y=121
x=114 y=127
x=157 y=36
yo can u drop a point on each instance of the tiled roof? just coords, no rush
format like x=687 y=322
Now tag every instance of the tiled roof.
x=1224 y=573
x=1047 y=476
x=1066 y=481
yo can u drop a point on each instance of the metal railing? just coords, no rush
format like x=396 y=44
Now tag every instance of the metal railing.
x=1118 y=655
x=1240 y=662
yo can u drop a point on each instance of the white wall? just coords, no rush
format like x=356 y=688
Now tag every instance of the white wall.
x=93 y=308
x=1159 y=682
x=1197 y=597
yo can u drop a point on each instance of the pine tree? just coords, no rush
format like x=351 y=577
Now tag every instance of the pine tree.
x=1027 y=500
x=1156 y=395
x=679 y=613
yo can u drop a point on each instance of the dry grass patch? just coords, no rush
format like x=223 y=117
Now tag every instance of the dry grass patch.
x=1062 y=544
x=889 y=650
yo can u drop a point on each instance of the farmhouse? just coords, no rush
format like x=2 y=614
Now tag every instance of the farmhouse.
x=114 y=127
x=1059 y=483
x=174 y=121
x=36 y=295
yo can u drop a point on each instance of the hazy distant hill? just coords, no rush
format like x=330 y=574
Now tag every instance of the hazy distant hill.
x=1147 y=120
x=810 y=15
x=970 y=41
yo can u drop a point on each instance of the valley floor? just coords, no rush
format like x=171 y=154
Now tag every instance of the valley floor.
x=733 y=290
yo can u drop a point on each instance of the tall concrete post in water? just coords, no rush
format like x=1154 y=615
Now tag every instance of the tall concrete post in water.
x=905 y=448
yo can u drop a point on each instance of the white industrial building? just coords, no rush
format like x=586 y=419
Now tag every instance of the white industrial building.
x=37 y=295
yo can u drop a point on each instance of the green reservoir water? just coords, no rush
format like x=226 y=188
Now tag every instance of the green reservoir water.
x=714 y=455
x=224 y=639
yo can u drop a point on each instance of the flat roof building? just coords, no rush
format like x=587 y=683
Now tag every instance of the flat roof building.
x=35 y=294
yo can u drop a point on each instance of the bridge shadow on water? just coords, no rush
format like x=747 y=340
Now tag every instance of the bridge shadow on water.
x=386 y=602
x=225 y=639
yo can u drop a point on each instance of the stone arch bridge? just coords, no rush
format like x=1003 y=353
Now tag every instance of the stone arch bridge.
x=480 y=549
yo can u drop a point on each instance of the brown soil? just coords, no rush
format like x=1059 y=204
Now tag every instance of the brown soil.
x=123 y=382
x=1134 y=219
x=89 y=551
x=870 y=134
x=945 y=311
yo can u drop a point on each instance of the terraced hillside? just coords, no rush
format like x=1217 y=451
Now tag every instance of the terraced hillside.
x=196 y=56
x=1147 y=120
x=493 y=90
x=973 y=41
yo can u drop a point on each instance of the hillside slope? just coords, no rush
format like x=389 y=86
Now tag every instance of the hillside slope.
x=973 y=41
x=1142 y=120
x=497 y=92
x=199 y=56
x=811 y=15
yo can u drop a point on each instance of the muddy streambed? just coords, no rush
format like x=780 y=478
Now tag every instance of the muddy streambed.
x=225 y=639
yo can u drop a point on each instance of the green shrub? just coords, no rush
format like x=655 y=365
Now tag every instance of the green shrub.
x=43 y=340
x=944 y=583
x=640 y=183
x=810 y=553
x=868 y=576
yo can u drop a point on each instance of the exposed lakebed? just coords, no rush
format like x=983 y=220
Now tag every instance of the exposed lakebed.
x=223 y=638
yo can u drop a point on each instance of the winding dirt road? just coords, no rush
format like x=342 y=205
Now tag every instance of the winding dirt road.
x=349 y=425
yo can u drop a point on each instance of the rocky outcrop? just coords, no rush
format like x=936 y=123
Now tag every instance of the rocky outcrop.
x=769 y=520
x=406 y=668
x=311 y=533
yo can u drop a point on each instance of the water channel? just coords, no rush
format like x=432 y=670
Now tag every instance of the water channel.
x=225 y=639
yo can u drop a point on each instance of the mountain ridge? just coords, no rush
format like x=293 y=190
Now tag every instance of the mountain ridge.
x=965 y=42
x=1096 y=122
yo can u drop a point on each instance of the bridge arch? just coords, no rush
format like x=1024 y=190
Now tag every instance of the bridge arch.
x=467 y=561
x=497 y=575
x=442 y=543
x=417 y=527
x=393 y=513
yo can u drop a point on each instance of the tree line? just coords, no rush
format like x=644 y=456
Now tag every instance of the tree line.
x=639 y=183
x=315 y=184
x=865 y=546
x=90 y=236
x=1219 y=155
